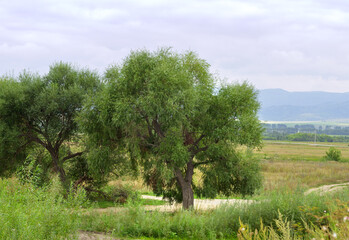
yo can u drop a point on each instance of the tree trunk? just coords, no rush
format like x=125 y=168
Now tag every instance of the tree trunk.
x=186 y=185
x=57 y=168
x=188 y=196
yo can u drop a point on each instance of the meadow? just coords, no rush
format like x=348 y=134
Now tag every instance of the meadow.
x=301 y=165
x=280 y=209
x=299 y=151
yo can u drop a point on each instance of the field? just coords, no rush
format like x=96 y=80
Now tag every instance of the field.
x=299 y=151
x=288 y=170
x=301 y=165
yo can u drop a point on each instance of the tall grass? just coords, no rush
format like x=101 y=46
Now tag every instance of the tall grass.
x=291 y=174
x=36 y=213
x=223 y=222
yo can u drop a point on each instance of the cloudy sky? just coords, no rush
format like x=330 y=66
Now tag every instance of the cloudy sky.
x=297 y=45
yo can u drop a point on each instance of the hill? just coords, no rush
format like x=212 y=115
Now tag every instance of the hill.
x=281 y=105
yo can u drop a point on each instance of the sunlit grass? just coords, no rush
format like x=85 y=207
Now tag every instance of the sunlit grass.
x=299 y=151
x=304 y=174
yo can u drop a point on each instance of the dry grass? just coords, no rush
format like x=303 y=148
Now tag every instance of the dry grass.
x=284 y=165
x=304 y=174
x=299 y=150
x=134 y=183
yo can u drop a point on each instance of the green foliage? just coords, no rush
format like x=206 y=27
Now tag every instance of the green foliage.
x=337 y=227
x=333 y=154
x=40 y=112
x=34 y=213
x=165 y=110
x=240 y=175
x=309 y=137
x=31 y=172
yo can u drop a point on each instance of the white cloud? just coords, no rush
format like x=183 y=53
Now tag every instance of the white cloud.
x=294 y=45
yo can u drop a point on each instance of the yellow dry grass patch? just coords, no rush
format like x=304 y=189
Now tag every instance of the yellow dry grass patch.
x=300 y=150
x=305 y=174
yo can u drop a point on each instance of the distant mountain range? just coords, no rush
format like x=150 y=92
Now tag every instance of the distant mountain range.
x=280 y=105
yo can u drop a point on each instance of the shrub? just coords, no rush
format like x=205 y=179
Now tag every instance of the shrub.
x=34 y=169
x=333 y=154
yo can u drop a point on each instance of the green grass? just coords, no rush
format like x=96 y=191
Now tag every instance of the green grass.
x=31 y=213
x=35 y=213
x=142 y=202
x=220 y=223
x=299 y=151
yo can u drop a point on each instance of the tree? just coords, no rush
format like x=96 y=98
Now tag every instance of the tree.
x=41 y=112
x=166 y=110
x=333 y=154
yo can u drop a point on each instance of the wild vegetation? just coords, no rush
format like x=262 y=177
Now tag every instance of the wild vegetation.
x=73 y=142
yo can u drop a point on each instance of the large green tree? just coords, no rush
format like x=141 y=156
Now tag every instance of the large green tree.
x=40 y=112
x=167 y=110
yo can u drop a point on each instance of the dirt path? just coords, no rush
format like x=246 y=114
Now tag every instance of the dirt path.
x=84 y=235
x=202 y=204
x=328 y=188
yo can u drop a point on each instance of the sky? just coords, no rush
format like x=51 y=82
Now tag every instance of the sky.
x=296 y=45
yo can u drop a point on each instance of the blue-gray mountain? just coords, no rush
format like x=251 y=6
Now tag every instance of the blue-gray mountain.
x=280 y=105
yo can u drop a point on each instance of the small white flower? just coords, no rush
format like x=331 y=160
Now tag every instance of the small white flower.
x=325 y=211
x=324 y=228
x=242 y=229
x=334 y=235
x=346 y=218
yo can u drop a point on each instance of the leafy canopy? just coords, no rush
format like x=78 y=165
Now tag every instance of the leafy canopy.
x=166 y=109
x=40 y=111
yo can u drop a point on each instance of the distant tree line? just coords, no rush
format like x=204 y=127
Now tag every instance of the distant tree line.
x=306 y=132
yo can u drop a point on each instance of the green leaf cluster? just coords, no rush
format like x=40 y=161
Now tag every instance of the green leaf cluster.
x=40 y=112
x=167 y=111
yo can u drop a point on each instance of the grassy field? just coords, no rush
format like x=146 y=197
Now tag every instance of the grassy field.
x=299 y=151
x=302 y=174
x=285 y=165
x=288 y=170
x=301 y=165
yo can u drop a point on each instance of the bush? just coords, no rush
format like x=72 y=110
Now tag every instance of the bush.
x=333 y=154
x=34 y=169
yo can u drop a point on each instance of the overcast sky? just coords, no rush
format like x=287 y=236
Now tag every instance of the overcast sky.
x=294 y=45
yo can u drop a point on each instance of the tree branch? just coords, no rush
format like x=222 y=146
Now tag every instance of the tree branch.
x=199 y=139
x=195 y=144
x=199 y=150
x=157 y=128
x=72 y=156
x=35 y=139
